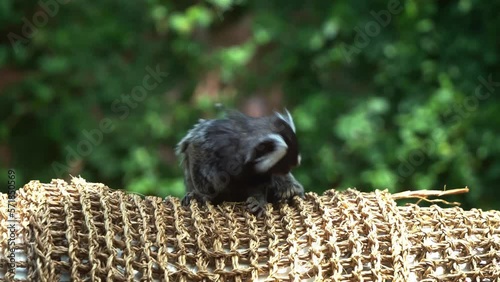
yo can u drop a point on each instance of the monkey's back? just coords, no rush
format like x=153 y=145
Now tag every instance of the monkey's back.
x=214 y=153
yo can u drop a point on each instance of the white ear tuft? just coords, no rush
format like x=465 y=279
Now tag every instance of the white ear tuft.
x=265 y=162
x=288 y=119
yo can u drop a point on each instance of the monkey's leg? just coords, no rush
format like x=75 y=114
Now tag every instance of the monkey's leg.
x=199 y=195
x=198 y=186
x=285 y=187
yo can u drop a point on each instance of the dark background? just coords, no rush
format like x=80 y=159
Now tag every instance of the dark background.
x=385 y=94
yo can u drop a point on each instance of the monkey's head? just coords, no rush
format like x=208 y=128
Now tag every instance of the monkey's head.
x=276 y=151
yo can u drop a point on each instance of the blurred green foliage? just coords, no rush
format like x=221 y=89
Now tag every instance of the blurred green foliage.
x=385 y=94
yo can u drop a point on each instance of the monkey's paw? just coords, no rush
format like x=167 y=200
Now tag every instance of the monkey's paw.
x=192 y=195
x=288 y=190
x=187 y=198
x=255 y=206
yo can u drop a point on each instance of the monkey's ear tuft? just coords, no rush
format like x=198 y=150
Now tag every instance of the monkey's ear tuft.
x=268 y=151
x=287 y=118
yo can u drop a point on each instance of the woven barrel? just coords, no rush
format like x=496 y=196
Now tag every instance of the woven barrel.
x=82 y=231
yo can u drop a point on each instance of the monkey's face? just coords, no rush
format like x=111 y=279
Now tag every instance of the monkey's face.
x=278 y=153
x=292 y=156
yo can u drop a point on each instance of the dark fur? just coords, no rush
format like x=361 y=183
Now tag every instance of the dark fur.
x=220 y=156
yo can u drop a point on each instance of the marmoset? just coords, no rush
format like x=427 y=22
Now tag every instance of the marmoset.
x=241 y=158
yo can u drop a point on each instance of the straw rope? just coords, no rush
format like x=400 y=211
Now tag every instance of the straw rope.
x=82 y=231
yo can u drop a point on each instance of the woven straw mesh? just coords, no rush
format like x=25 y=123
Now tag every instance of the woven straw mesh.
x=87 y=232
